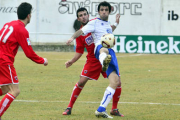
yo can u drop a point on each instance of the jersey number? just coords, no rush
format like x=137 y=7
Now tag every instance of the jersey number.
x=7 y=34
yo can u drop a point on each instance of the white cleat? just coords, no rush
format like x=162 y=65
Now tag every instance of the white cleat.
x=102 y=114
x=106 y=62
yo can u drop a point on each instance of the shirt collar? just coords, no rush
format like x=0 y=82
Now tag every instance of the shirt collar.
x=102 y=20
x=21 y=23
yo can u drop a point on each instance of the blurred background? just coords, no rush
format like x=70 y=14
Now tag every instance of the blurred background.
x=146 y=26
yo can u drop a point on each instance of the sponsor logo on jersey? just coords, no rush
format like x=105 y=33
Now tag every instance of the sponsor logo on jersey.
x=16 y=78
x=109 y=31
x=102 y=24
x=89 y=40
x=28 y=41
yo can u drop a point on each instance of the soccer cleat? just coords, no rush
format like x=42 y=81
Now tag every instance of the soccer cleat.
x=115 y=112
x=106 y=62
x=102 y=114
x=67 y=111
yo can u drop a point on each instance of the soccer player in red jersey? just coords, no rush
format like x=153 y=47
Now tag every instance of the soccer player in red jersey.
x=12 y=35
x=92 y=69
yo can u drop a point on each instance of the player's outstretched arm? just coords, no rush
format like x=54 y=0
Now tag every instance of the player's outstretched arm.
x=73 y=60
x=116 y=23
x=75 y=35
x=45 y=62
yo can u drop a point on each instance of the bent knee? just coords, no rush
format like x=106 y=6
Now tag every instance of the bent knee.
x=18 y=91
x=82 y=81
x=15 y=92
x=104 y=50
x=119 y=82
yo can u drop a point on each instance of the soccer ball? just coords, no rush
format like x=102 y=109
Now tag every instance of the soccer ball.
x=108 y=40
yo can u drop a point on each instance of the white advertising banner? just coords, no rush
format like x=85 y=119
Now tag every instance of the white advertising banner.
x=52 y=21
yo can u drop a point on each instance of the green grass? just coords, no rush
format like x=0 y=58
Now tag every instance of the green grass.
x=147 y=78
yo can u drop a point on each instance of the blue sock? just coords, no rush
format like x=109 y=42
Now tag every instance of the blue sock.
x=101 y=109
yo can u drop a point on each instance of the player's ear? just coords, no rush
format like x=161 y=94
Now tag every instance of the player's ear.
x=28 y=16
x=78 y=18
x=99 y=12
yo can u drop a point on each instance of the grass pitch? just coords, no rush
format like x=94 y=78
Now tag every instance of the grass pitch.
x=150 y=88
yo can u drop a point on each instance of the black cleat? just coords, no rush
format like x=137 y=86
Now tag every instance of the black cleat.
x=115 y=112
x=67 y=111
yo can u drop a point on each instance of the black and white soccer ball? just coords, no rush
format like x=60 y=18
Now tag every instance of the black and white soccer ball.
x=108 y=40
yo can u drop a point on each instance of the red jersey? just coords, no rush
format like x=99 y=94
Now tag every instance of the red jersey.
x=13 y=35
x=86 y=41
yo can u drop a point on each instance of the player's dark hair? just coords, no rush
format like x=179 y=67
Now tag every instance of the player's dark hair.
x=81 y=9
x=23 y=10
x=104 y=4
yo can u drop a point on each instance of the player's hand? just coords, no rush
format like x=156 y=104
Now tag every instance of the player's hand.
x=117 y=18
x=69 y=41
x=45 y=62
x=68 y=64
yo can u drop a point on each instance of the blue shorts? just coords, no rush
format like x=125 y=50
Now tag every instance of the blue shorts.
x=113 y=65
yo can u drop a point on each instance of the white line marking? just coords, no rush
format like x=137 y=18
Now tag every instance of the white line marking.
x=68 y=59
x=116 y=56
x=91 y=102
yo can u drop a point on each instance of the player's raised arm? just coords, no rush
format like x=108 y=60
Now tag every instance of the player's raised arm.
x=75 y=35
x=116 y=23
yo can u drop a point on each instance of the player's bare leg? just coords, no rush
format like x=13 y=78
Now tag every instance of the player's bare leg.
x=108 y=95
x=82 y=81
x=104 y=58
x=9 y=97
x=4 y=89
x=75 y=93
x=114 y=80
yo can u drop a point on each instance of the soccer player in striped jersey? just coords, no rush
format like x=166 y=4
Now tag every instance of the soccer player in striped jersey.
x=12 y=35
x=93 y=67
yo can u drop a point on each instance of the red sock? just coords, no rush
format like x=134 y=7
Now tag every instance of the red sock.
x=76 y=91
x=116 y=97
x=5 y=103
x=1 y=92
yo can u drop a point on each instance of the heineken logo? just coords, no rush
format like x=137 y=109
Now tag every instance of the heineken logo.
x=147 y=44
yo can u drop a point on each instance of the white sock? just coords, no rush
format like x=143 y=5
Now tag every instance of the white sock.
x=108 y=94
x=102 y=56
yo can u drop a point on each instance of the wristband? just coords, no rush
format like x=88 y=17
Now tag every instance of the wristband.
x=44 y=61
x=115 y=24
